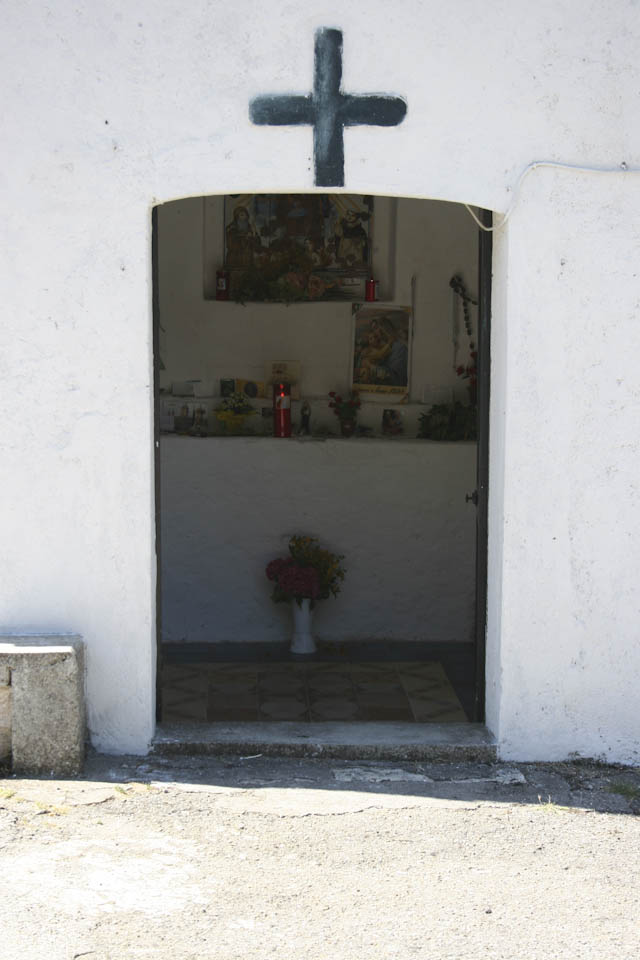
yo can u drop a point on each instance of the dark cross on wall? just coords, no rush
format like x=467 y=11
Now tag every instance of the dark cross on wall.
x=328 y=110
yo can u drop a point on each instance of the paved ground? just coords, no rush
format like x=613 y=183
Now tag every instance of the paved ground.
x=199 y=858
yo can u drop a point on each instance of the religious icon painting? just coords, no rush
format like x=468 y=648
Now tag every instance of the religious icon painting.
x=297 y=247
x=381 y=344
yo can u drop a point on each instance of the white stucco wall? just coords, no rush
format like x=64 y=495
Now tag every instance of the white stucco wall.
x=570 y=606
x=395 y=510
x=109 y=109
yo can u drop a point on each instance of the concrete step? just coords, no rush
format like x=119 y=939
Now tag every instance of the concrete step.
x=346 y=741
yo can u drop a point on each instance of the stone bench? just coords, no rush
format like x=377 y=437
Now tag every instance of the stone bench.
x=42 y=710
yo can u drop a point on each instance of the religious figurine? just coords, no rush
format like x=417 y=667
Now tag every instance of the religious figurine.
x=305 y=417
x=242 y=239
x=199 y=428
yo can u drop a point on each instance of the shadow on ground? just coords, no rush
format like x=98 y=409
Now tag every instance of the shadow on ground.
x=285 y=783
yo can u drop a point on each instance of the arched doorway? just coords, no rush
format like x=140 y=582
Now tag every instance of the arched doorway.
x=449 y=322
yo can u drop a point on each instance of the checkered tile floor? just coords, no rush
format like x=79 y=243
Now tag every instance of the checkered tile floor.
x=408 y=692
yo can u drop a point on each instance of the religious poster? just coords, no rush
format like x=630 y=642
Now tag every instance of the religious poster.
x=381 y=349
x=296 y=247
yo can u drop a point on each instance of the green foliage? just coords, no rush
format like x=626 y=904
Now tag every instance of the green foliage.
x=628 y=790
x=449 y=421
x=308 y=572
x=306 y=553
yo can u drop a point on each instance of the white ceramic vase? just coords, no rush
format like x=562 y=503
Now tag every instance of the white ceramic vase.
x=302 y=641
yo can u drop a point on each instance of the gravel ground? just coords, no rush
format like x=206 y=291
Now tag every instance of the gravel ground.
x=198 y=858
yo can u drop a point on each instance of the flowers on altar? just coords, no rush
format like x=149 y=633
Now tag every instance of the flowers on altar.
x=309 y=572
x=235 y=403
x=345 y=409
x=469 y=371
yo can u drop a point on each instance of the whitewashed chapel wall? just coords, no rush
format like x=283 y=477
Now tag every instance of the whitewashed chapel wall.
x=395 y=510
x=565 y=673
x=112 y=109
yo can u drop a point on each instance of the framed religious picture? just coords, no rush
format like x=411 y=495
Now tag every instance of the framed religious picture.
x=296 y=247
x=381 y=348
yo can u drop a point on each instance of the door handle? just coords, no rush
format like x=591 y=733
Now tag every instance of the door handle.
x=473 y=497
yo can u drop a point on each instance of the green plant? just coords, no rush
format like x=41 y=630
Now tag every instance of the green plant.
x=309 y=572
x=449 y=421
x=628 y=790
x=550 y=806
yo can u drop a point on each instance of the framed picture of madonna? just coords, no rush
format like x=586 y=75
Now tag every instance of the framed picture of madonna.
x=297 y=247
x=381 y=349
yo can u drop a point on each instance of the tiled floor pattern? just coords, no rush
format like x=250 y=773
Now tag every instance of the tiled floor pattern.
x=408 y=692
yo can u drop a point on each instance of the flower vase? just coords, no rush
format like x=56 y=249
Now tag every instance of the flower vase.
x=302 y=641
x=347 y=428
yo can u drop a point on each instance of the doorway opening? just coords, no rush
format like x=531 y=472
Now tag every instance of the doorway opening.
x=253 y=289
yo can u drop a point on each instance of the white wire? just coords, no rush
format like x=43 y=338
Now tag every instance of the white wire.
x=546 y=163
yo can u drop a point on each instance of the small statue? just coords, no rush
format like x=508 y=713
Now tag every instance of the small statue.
x=305 y=417
x=199 y=428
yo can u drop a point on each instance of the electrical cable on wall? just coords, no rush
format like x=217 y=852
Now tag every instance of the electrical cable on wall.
x=546 y=163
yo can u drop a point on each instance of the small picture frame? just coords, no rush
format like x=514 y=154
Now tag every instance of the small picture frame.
x=392 y=425
x=382 y=350
x=227 y=386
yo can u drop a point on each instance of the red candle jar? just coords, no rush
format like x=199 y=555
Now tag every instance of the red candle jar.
x=281 y=410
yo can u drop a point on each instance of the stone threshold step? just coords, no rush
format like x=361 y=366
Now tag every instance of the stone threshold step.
x=345 y=741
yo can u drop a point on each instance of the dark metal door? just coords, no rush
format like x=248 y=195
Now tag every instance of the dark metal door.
x=485 y=241
x=156 y=451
